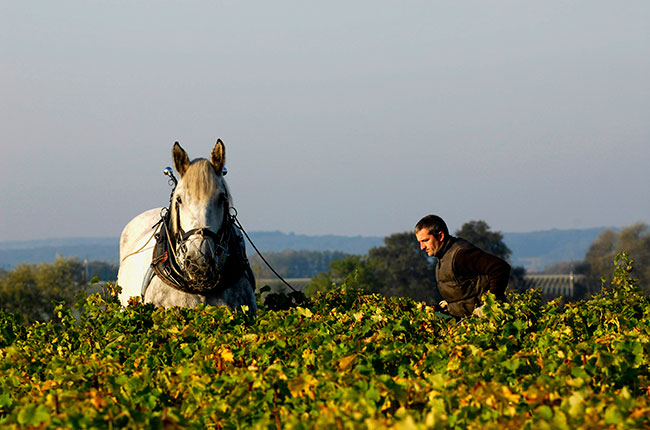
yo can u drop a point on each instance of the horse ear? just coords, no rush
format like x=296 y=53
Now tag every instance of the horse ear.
x=181 y=160
x=218 y=156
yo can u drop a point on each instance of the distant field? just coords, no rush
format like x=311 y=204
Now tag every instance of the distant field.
x=277 y=285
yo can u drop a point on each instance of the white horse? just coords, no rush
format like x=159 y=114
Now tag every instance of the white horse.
x=191 y=252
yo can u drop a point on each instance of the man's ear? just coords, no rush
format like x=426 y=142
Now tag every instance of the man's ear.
x=441 y=236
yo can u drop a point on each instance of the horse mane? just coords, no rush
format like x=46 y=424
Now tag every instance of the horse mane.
x=200 y=179
x=200 y=182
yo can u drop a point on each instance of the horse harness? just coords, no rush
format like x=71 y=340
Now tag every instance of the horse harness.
x=231 y=261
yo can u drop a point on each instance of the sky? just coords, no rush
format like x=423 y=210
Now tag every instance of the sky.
x=338 y=117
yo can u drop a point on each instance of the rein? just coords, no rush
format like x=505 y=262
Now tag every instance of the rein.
x=240 y=227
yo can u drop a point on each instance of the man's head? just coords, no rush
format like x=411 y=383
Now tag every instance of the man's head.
x=431 y=231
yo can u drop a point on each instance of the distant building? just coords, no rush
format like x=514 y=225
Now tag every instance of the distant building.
x=571 y=287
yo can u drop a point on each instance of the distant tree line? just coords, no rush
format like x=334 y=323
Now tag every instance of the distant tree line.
x=29 y=290
x=634 y=240
x=293 y=264
x=400 y=268
x=597 y=264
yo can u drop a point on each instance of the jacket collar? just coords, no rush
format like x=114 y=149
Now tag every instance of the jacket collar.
x=449 y=240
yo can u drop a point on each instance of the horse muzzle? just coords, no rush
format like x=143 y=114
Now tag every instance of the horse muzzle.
x=202 y=257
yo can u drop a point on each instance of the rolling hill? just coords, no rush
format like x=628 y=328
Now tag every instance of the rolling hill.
x=534 y=250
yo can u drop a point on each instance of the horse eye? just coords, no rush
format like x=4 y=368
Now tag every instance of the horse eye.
x=178 y=200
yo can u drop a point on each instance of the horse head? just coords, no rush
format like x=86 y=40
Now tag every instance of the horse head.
x=200 y=221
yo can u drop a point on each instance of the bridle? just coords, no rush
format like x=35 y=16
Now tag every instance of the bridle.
x=219 y=239
x=230 y=256
x=181 y=235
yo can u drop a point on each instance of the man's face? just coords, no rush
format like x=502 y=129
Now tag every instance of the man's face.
x=429 y=242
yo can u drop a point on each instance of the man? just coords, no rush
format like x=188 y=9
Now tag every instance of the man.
x=464 y=272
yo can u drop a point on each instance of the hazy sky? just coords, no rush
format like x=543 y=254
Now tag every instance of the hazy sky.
x=339 y=117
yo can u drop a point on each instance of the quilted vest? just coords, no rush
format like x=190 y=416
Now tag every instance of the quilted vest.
x=461 y=291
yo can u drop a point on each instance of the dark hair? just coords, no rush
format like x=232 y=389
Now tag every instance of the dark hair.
x=434 y=224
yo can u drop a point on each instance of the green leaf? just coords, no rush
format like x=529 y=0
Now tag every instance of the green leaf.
x=560 y=421
x=519 y=324
x=512 y=365
x=613 y=415
x=576 y=404
x=32 y=415
x=545 y=412
x=5 y=400
x=604 y=359
x=373 y=394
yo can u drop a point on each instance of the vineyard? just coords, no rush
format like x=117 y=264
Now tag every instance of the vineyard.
x=344 y=361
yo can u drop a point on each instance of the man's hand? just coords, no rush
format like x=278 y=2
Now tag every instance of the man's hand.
x=478 y=311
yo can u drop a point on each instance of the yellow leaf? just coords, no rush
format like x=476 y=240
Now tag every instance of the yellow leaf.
x=490 y=401
x=226 y=354
x=49 y=384
x=303 y=384
x=387 y=404
x=97 y=399
x=308 y=356
x=305 y=312
x=512 y=397
x=406 y=424
x=346 y=362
